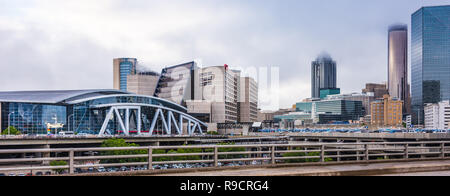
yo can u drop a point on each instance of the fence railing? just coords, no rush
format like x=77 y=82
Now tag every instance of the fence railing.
x=168 y=157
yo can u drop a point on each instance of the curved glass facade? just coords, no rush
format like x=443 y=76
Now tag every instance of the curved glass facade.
x=32 y=118
x=113 y=114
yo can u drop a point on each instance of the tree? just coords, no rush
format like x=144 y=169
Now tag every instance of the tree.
x=213 y=133
x=114 y=142
x=58 y=163
x=302 y=154
x=229 y=149
x=177 y=151
x=11 y=130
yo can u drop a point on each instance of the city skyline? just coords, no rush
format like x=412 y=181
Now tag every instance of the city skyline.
x=74 y=50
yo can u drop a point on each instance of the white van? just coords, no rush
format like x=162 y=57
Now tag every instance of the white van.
x=63 y=133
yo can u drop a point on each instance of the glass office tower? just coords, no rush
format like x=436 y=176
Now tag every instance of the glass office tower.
x=323 y=74
x=430 y=58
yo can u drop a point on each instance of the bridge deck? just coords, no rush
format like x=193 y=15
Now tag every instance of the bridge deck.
x=332 y=170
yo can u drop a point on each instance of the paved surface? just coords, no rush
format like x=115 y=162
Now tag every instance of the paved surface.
x=437 y=173
x=374 y=168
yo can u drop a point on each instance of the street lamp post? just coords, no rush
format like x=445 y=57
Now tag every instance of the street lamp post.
x=9 y=124
x=68 y=124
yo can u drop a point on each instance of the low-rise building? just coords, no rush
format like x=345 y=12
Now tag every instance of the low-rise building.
x=437 y=116
x=329 y=91
x=293 y=120
x=365 y=98
x=328 y=111
x=379 y=90
x=387 y=112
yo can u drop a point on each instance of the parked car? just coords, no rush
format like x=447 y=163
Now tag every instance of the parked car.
x=101 y=169
x=39 y=174
x=78 y=170
x=156 y=167
x=111 y=169
x=2 y=174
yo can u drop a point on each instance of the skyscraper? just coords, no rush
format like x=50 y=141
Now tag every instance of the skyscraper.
x=430 y=58
x=398 y=63
x=323 y=74
x=122 y=67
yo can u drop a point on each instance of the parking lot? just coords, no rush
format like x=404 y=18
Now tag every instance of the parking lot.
x=351 y=131
x=125 y=168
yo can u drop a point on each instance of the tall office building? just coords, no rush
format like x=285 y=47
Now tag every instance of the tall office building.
x=430 y=58
x=323 y=75
x=248 y=102
x=226 y=97
x=398 y=64
x=219 y=88
x=129 y=76
x=179 y=83
x=122 y=67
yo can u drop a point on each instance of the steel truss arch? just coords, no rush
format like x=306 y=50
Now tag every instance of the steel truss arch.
x=166 y=115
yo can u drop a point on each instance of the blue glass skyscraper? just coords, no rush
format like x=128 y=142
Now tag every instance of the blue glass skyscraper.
x=122 y=68
x=430 y=58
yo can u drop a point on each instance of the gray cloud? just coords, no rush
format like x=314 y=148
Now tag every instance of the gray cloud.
x=70 y=44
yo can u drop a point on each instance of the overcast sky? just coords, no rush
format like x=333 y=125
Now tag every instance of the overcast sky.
x=70 y=44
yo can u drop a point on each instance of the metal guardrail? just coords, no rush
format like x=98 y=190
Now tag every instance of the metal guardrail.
x=218 y=155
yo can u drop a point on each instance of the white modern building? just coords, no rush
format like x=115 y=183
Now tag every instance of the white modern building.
x=437 y=116
x=215 y=94
x=219 y=99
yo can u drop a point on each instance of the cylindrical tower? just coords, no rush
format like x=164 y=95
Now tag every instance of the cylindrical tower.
x=398 y=63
